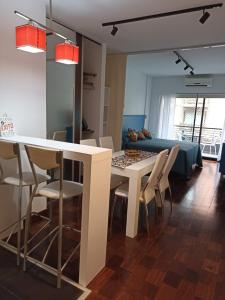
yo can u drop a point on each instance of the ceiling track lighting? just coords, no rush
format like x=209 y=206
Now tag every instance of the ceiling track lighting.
x=204 y=17
x=32 y=38
x=166 y=14
x=114 y=30
x=180 y=58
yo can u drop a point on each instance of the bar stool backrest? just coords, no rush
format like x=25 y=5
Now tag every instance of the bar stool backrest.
x=8 y=151
x=155 y=175
x=45 y=159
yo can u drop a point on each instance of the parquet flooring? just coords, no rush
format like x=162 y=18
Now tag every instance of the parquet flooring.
x=184 y=256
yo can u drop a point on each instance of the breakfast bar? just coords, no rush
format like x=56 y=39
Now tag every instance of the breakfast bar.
x=95 y=200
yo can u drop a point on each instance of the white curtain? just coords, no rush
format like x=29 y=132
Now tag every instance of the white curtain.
x=222 y=141
x=166 y=116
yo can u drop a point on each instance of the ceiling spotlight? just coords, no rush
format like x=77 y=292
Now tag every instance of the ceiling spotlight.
x=178 y=61
x=204 y=17
x=192 y=73
x=186 y=67
x=114 y=30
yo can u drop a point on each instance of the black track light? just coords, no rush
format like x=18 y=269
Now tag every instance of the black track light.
x=178 y=61
x=186 y=67
x=114 y=30
x=204 y=17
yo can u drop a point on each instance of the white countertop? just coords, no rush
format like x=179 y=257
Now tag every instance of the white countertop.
x=79 y=150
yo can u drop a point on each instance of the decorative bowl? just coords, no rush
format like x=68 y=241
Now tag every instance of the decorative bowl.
x=132 y=153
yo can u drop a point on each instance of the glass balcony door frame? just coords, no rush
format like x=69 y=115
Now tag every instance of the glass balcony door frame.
x=198 y=96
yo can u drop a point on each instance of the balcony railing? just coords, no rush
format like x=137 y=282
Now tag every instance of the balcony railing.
x=210 y=138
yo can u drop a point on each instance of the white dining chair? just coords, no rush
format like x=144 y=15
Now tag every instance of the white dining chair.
x=149 y=186
x=164 y=184
x=89 y=142
x=106 y=142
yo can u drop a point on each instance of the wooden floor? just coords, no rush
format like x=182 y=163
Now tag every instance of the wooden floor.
x=34 y=284
x=184 y=257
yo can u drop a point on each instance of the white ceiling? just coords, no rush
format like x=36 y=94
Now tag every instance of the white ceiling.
x=86 y=16
x=204 y=61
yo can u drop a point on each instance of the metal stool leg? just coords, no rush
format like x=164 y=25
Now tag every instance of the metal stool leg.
x=59 y=265
x=19 y=224
x=27 y=228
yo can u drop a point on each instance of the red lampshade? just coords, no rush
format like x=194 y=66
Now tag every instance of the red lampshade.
x=30 y=38
x=67 y=54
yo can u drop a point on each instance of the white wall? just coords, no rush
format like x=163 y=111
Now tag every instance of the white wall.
x=135 y=89
x=22 y=75
x=172 y=85
x=22 y=87
x=60 y=84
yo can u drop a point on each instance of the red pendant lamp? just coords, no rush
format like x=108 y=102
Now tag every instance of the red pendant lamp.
x=30 y=38
x=67 y=53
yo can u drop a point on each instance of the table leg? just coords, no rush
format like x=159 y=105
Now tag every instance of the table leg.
x=133 y=206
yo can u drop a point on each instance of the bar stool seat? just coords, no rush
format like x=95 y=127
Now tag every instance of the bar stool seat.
x=70 y=189
x=27 y=179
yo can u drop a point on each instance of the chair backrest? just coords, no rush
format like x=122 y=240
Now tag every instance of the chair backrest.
x=89 y=142
x=106 y=142
x=10 y=150
x=44 y=158
x=170 y=161
x=155 y=175
x=59 y=136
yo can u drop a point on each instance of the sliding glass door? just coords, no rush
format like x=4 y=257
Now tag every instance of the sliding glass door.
x=200 y=119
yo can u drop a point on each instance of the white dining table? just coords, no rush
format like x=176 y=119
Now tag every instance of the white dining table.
x=134 y=173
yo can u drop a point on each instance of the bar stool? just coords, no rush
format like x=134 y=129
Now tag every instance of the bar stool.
x=9 y=151
x=48 y=159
